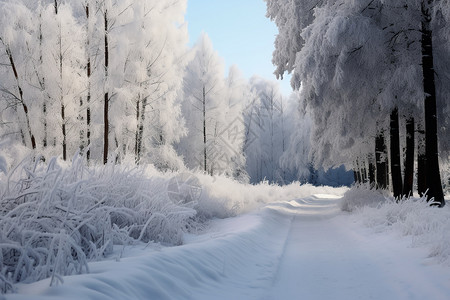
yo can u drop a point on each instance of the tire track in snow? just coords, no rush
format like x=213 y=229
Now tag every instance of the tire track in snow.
x=327 y=257
x=282 y=255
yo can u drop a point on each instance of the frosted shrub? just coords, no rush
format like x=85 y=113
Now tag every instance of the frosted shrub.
x=427 y=226
x=54 y=219
x=362 y=195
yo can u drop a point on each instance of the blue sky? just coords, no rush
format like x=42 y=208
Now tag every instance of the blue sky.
x=239 y=31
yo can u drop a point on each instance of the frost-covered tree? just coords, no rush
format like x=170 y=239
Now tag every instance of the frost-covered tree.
x=291 y=17
x=277 y=130
x=63 y=64
x=153 y=78
x=95 y=75
x=213 y=114
x=17 y=97
x=266 y=130
x=233 y=134
x=295 y=161
x=359 y=63
x=143 y=80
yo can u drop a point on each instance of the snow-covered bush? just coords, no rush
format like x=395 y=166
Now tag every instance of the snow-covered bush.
x=224 y=197
x=362 y=195
x=414 y=217
x=428 y=226
x=54 y=218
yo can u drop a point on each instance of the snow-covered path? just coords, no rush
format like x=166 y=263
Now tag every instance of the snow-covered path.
x=300 y=249
x=326 y=257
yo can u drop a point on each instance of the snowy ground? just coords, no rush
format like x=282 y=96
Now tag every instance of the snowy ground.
x=300 y=249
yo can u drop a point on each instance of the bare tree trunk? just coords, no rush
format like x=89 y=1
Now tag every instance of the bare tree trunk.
x=20 y=98
x=396 y=171
x=137 y=142
x=432 y=167
x=355 y=175
x=88 y=98
x=61 y=96
x=63 y=113
x=409 y=159
x=42 y=85
x=380 y=160
x=140 y=128
x=363 y=171
x=106 y=96
x=357 y=172
x=370 y=158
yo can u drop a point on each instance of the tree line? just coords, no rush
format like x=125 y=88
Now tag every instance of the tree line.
x=374 y=75
x=117 y=82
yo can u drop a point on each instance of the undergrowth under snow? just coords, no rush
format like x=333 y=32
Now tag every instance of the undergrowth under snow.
x=55 y=217
x=427 y=226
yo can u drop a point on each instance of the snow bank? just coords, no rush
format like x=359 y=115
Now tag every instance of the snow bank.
x=427 y=226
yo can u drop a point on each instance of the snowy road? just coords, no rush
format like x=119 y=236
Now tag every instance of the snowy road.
x=301 y=249
x=327 y=258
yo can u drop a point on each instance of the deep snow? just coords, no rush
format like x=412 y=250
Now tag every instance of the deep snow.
x=305 y=248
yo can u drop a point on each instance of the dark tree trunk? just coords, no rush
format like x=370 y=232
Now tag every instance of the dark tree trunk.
x=44 y=113
x=380 y=160
x=21 y=99
x=363 y=173
x=140 y=128
x=371 y=170
x=421 y=161
x=355 y=175
x=88 y=98
x=137 y=135
x=359 y=172
x=61 y=96
x=431 y=150
x=63 y=116
x=106 y=96
x=41 y=80
x=204 y=128
x=63 y=113
x=409 y=158
x=396 y=171
x=80 y=118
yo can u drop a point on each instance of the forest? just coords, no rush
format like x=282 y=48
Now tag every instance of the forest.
x=378 y=72
x=116 y=81
x=104 y=107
